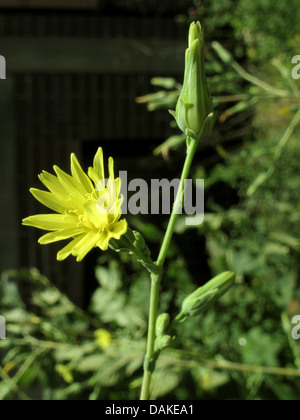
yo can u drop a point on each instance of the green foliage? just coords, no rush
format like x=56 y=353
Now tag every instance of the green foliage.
x=265 y=27
x=57 y=351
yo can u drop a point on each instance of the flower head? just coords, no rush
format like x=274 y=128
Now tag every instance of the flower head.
x=88 y=209
x=194 y=110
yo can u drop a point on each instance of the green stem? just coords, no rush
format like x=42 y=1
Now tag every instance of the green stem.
x=156 y=278
x=260 y=83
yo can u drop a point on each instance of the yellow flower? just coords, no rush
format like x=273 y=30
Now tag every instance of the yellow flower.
x=89 y=209
x=65 y=373
x=103 y=339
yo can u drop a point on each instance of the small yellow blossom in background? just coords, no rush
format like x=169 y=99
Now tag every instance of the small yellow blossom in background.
x=103 y=339
x=88 y=209
x=65 y=373
x=285 y=110
x=207 y=380
x=297 y=37
x=35 y=320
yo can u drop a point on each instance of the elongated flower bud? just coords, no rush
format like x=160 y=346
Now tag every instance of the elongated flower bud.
x=205 y=296
x=162 y=323
x=194 y=110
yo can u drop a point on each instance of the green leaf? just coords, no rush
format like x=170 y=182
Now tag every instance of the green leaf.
x=109 y=279
x=164 y=381
x=92 y=363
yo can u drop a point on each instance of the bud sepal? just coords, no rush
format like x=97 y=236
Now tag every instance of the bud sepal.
x=134 y=243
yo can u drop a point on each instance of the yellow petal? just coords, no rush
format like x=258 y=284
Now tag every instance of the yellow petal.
x=96 y=179
x=85 y=245
x=52 y=183
x=51 y=222
x=49 y=200
x=98 y=164
x=79 y=174
x=61 y=235
x=119 y=205
x=118 y=229
x=101 y=186
x=118 y=183
x=104 y=240
x=67 y=250
x=111 y=168
x=114 y=204
x=115 y=231
x=102 y=204
x=71 y=185
x=97 y=219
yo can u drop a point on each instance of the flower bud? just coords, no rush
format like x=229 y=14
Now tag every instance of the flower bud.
x=205 y=296
x=194 y=110
x=162 y=323
x=161 y=343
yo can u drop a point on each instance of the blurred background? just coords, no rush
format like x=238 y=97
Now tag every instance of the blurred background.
x=88 y=73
